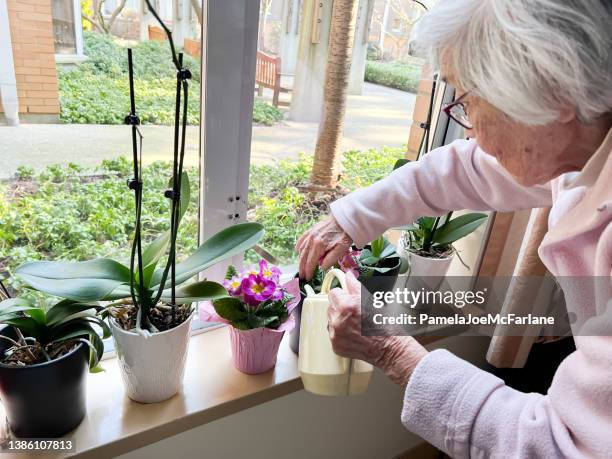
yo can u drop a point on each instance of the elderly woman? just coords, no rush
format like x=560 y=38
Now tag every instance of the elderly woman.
x=534 y=92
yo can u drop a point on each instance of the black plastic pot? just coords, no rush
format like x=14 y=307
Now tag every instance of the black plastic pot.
x=384 y=282
x=294 y=335
x=45 y=400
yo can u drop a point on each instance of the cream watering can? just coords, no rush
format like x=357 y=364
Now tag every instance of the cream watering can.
x=323 y=372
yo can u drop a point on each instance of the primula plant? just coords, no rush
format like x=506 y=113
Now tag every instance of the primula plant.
x=45 y=335
x=256 y=298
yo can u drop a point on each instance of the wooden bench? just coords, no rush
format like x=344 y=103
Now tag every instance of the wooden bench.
x=157 y=33
x=268 y=75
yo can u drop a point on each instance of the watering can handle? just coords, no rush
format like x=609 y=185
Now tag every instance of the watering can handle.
x=329 y=277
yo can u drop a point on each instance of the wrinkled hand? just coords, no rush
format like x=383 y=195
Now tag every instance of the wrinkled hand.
x=323 y=244
x=397 y=356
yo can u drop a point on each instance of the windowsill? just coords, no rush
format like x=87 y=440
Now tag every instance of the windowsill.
x=70 y=58
x=212 y=389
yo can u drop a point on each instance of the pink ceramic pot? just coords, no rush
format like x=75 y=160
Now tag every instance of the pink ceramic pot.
x=254 y=351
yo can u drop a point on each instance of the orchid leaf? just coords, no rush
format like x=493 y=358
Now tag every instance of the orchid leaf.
x=223 y=245
x=28 y=326
x=81 y=289
x=458 y=228
x=152 y=254
x=196 y=291
x=81 y=281
x=64 y=310
x=38 y=315
x=400 y=162
x=101 y=268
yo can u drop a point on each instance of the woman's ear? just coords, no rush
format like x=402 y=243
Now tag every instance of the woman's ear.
x=567 y=114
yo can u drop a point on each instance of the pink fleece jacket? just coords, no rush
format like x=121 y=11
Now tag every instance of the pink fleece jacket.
x=458 y=407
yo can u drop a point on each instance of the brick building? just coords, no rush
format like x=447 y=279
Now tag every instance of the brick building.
x=34 y=36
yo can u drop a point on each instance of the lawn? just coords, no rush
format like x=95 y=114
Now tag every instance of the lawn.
x=96 y=91
x=396 y=74
x=69 y=213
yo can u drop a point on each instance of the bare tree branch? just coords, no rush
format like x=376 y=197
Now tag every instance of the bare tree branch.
x=93 y=22
x=115 y=13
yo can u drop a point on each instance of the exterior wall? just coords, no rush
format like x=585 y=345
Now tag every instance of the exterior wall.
x=31 y=28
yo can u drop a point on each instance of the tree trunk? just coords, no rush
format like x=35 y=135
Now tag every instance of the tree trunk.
x=326 y=167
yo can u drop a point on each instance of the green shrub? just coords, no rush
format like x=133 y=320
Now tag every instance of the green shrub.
x=393 y=74
x=265 y=113
x=97 y=91
x=276 y=203
x=70 y=214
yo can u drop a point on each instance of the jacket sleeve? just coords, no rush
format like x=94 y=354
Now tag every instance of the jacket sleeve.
x=453 y=177
x=468 y=412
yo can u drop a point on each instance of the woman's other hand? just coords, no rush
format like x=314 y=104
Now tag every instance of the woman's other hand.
x=397 y=356
x=323 y=244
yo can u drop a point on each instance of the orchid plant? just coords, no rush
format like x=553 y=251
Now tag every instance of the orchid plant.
x=378 y=258
x=145 y=297
x=256 y=298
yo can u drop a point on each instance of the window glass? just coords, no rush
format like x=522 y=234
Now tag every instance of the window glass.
x=289 y=101
x=63 y=192
x=63 y=26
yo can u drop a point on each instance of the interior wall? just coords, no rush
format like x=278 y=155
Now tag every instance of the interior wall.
x=303 y=426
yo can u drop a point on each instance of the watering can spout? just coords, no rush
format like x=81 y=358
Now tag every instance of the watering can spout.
x=309 y=290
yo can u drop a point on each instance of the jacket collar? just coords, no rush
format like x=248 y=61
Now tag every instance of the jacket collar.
x=596 y=205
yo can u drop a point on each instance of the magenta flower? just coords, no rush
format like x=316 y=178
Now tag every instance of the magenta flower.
x=256 y=289
x=233 y=285
x=269 y=271
x=349 y=262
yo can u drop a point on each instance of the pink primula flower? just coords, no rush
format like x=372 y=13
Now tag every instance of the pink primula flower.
x=233 y=285
x=349 y=262
x=269 y=271
x=255 y=289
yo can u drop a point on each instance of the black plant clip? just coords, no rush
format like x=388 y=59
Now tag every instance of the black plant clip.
x=173 y=195
x=134 y=184
x=183 y=74
x=132 y=120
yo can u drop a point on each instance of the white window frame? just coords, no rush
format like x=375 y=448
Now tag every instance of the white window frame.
x=229 y=56
x=78 y=32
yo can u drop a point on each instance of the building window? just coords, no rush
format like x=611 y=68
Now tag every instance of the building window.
x=67 y=27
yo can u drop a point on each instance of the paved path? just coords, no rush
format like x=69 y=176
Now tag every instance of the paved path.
x=381 y=116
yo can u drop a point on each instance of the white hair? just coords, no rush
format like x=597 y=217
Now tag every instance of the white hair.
x=528 y=58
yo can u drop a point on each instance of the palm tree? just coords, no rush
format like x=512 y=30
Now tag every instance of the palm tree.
x=327 y=160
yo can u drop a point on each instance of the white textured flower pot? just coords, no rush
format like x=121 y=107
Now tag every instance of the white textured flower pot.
x=424 y=272
x=152 y=368
x=428 y=267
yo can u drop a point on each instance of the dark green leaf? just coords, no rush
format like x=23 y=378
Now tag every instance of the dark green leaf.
x=151 y=256
x=102 y=268
x=223 y=245
x=400 y=162
x=38 y=315
x=230 y=308
x=73 y=289
x=28 y=327
x=64 y=310
x=196 y=291
x=458 y=228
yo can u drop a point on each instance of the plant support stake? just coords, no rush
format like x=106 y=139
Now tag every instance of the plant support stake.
x=135 y=184
x=180 y=131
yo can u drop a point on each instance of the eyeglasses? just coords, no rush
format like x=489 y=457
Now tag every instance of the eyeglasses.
x=456 y=110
